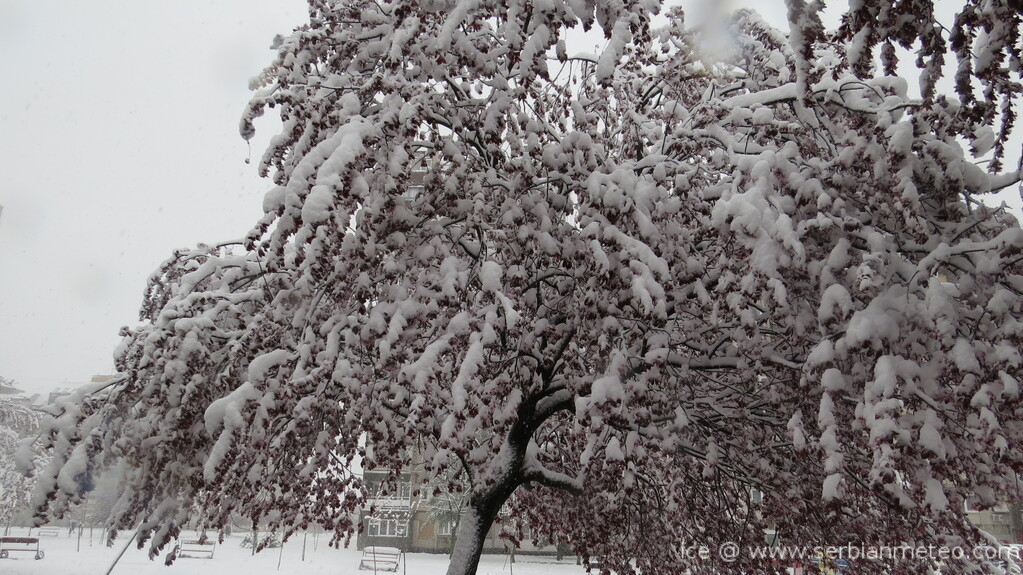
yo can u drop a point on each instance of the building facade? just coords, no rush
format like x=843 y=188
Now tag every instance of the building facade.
x=418 y=523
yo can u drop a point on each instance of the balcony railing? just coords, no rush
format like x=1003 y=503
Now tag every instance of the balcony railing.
x=390 y=502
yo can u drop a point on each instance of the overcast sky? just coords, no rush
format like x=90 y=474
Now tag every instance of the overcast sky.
x=119 y=144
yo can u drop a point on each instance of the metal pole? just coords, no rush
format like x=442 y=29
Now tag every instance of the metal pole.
x=123 y=549
x=1016 y=514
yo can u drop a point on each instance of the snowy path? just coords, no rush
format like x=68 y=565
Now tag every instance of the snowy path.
x=64 y=558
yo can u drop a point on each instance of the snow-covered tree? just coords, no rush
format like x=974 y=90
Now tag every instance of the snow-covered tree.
x=17 y=424
x=645 y=297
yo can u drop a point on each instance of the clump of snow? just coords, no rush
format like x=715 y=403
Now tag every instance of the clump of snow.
x=832 y=487
x=835 y=303
x=934 y=496
x=930 y=437
x=74 y=471
x=795 y=427
x=607 y=388
x=822 y=353
x=260 y=367
x=832 y=380
x=964 y=357
x=225 y=415
x=983 y=140
x=1010 y=386
x=318 y=203
x=490 y=276
x=470 y=365
x=274 y=199
x=613 y=451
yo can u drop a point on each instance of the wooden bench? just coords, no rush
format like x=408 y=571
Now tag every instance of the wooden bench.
x=10 y=545
x=48 y=531
x=196 y=548
x=380 y=558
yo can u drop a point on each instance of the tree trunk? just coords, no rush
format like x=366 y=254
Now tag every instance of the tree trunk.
x=472 y=534
x=483 y=508
x=454 y=532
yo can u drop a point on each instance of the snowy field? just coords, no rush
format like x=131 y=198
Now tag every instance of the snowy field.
x=65 y=557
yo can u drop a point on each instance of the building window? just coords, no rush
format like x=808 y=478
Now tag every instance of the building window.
x=403 y=491
x=445 y=527
x=387 y=528
x=972 y=506
x=412 y=192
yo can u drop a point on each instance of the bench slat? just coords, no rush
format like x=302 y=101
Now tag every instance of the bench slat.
x=25 y=540
x=380 y=557
x=195 y=547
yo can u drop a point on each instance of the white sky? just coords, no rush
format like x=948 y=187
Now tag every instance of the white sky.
x=119 y=144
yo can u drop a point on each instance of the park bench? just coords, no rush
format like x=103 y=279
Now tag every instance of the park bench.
x=380 y=558
x=48 y=531
x=196 y=548
x=10 y=545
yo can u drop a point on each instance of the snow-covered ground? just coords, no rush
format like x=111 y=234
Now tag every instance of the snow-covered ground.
x=64 y=556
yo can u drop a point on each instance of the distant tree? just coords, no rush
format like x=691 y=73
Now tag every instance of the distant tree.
x=8 y=385
x=447 y=499
x=646 y=298
x=96 y=509
x=17 y=424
